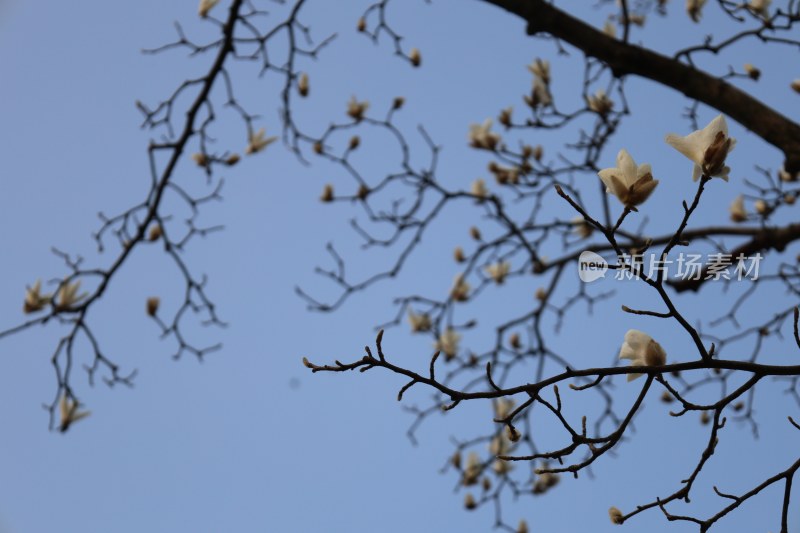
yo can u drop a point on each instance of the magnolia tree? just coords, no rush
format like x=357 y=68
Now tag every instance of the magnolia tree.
x=553 y=218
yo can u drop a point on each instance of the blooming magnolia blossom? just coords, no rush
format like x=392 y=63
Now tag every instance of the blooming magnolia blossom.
x=738 y=212
x=34 y=299
x=759 y=7
x=694 y=9
x=419 y=322
x=257 y=141
x=707 y=148
x=481 y=136
x=448 y=343
x=498 y=271
x=356 y=109
x=206 y=6
x=541 y=69
x=68 y=295
x=599 y=102
x=641 y=350
x=630 y=183
x=68 y=409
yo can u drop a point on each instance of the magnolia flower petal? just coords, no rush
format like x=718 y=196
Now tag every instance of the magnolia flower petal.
x=627 y=165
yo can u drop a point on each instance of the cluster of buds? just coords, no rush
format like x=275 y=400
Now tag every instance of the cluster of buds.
x=504 y=175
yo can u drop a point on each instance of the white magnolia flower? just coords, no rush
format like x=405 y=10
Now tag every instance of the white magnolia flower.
x=68 y=409
x=738 y=212
x=545 y=482
x=419 y=322
x=448 y=343
x=541 y=69
x=257 y=141
x=759 y=7
x=68 y=295
x=205 y=7
x=356 y=109
x=34 y=299
x=641 y=350
x=498 y=271
x=707 y=148
x=478 y=189
x=630 y=183
x=481 y=136
x=694 y=8
x=600 y=103
x=500 y=445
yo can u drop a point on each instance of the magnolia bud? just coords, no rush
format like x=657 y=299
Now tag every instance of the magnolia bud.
x=415 y=57
x=302 y=85
x=327 y=193
x=152 y=305
x=155 y=233
x=398 y=102
x=475 y=233
x=355 y=140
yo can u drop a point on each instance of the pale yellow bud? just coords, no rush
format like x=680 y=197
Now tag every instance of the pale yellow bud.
x=616 y=516
x=327 y=193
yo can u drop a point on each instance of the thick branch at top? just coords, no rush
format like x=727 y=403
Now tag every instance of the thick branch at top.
x=624 y=59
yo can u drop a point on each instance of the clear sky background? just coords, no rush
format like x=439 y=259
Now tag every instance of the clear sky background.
x=249 y=441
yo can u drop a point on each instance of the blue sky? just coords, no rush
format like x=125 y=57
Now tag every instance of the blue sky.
x=248 y=440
